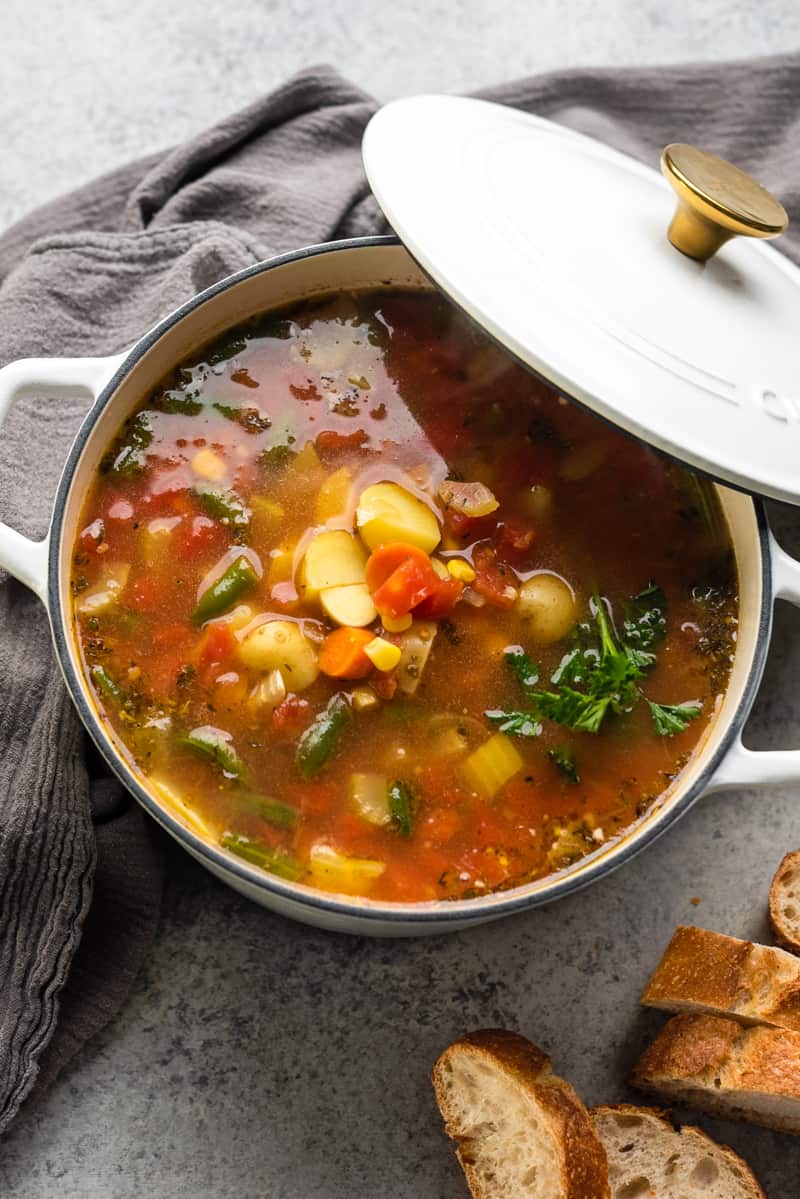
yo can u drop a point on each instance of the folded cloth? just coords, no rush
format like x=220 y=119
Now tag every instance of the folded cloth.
x=80 y=867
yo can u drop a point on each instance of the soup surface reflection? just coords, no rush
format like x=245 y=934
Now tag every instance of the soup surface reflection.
x=372 y=608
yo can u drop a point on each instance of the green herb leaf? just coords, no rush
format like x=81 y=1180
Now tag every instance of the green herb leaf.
x=669 y=719
x=607 y=673
x=563 y=756
x=527 y=673
x=515 y=723
x=645 y=623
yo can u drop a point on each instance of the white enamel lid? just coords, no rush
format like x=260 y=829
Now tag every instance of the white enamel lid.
x=556 y=244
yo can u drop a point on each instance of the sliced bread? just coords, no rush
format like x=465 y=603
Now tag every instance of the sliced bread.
x=703 y=971
x=727 y=1069
x=784 y=902
x=648 y=1156
x=521 y=1132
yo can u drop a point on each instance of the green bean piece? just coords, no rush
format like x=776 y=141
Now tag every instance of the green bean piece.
x=401 y=807
x=320 y=738
x=214 y=745
x=258 y=854
x=106 y=684
x=229 y=587
x=281 y=815
x=224 y=504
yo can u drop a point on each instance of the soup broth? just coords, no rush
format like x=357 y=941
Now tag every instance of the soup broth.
x=373 y=608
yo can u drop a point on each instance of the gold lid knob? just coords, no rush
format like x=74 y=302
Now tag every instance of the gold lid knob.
x=716 y=201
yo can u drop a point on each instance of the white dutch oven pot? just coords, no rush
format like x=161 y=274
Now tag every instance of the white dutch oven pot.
x=118 y=385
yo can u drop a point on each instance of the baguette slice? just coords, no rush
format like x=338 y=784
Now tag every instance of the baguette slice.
x=784 y=902
x=521 y=1131
x=707 y=972
x=647 y=1156
x=721 y=1067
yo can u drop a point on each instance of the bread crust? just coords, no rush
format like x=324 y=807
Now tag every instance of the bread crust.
x=704 y=971
x=699 y=1139
x=721 y=1066
x=583 y=1166
x=786 y=933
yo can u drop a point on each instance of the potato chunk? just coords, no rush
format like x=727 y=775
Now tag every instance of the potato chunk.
x=349 y=605
x=333 y=559
x=281 y=645
x=547 y=605
x=387 y=512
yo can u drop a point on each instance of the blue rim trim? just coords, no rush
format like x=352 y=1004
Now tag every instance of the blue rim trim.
x=435 y=911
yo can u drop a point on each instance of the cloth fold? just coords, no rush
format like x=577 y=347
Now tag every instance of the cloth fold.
x=86 y=275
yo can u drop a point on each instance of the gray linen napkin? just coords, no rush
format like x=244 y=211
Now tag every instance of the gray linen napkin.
x=80 y=867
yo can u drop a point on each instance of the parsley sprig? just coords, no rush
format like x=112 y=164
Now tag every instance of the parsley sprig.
x=599 y=675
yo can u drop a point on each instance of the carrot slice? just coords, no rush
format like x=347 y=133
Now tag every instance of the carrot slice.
x=385 y=560
x=406 y=587
x=342 y=654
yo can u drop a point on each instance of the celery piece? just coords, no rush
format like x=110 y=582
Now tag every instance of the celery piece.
x=491 y=765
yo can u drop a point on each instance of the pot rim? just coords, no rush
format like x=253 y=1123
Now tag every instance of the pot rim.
x=439 y=911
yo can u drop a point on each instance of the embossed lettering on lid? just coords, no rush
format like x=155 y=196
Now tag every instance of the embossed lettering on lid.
x=558 y=246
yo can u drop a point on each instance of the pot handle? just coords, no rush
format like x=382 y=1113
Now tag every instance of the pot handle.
x=21 y=557
x=751 y=768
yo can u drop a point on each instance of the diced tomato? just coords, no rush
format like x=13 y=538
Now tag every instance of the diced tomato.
x=329 y=441
x=513 y=538
x=218 y=644
x=442 y=601
x=493 y=581
x=468 y=527
x=243 y=377
x=406 y=587
x=292 y=716
x=384 y=685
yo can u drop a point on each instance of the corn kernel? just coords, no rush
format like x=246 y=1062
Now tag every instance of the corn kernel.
x=382 y=654
x=209 y=465
x=460 y=569
x=364 y=699
x=397 y=624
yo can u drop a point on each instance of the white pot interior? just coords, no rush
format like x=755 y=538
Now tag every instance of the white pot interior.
x=351 y=269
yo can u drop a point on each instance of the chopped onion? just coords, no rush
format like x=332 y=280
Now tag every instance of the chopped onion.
x=470 y=499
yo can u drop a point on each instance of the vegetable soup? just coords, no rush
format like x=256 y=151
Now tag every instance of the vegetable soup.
x=373 y=608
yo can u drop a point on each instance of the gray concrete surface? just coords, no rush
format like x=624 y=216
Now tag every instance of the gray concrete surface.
x=258 y=1058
